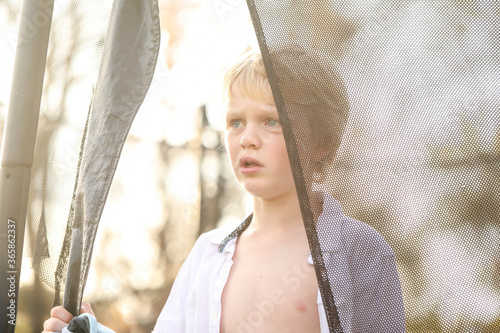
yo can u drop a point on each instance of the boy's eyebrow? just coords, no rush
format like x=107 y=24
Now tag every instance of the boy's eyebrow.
x=269 y=109
x=232 y=113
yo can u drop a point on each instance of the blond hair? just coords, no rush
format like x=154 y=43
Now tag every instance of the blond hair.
x=247 y=77
x=312 y=85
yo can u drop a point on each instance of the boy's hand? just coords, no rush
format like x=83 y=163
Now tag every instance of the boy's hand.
x=60 y=318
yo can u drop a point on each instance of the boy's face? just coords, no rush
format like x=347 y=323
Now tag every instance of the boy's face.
x=256 y=148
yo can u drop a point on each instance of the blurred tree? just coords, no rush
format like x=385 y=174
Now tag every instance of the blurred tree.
x=399 y=46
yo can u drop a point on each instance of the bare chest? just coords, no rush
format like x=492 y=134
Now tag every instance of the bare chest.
x=269 y=292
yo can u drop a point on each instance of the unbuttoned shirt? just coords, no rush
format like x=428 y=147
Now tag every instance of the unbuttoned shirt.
x=362 y=275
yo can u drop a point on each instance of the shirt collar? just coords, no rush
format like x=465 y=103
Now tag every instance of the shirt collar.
x=330 y=224
x=330 y=219
x=235 y=233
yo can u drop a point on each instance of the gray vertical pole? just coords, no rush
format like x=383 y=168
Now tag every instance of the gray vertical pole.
x=18 y=146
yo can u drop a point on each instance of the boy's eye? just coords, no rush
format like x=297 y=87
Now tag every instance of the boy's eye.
x=272 y=123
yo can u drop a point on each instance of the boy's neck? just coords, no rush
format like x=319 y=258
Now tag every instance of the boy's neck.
x=283 y=212
x=276 y=214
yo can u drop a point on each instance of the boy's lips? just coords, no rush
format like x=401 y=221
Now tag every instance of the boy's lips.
x=249 y=165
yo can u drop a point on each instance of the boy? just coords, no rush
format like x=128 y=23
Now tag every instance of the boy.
x=260 y=277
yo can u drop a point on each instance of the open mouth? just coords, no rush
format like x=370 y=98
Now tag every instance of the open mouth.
x=248 y=162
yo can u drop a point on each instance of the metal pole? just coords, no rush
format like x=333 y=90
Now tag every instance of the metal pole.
x=18 y=146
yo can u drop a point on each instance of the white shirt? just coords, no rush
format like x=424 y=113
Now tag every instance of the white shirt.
x=360 y=265
x=194 y=303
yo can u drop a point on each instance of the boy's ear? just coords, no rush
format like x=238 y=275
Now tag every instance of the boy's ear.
x=322 y=150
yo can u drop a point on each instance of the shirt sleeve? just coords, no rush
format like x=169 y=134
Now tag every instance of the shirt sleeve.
x=174 y=316
x=391 y=313
x=378 y=301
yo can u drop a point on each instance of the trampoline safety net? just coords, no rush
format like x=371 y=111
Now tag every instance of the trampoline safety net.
x=414 y=87
x=408 y=142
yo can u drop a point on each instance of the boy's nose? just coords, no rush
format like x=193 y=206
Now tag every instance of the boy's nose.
x=250 y=138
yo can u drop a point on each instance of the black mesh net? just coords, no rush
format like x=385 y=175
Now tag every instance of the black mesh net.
x=61 y=252
x=419 y=161
x=55 y=165
x=390 y=107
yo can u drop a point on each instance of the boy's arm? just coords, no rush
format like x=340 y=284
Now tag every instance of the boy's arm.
x=174 y=315
x=391 y=298
x=378 y=300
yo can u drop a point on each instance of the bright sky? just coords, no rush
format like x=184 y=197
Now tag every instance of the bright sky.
x=213 y=36
x=215 y=33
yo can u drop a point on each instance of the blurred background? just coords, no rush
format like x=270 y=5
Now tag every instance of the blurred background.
x=420 y=160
